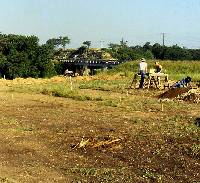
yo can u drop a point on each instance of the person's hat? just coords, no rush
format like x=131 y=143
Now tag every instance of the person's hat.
x=143 y=60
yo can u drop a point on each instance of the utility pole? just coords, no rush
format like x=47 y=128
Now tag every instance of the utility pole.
x=163 y=45
x=163 y=38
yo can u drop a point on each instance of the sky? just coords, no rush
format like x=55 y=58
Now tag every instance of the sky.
x=104 y=21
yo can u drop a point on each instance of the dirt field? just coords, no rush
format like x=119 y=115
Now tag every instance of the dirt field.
x=53 y=139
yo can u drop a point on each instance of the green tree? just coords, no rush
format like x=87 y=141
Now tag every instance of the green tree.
x=22 y=56
x=87 y=43
x=54 y=43
x=58 y=42
x=44 y=62
x=147 y=46
x=157 y=51
x=63 y=41
x=123 y=43
x=113 y=46
x=177 y=53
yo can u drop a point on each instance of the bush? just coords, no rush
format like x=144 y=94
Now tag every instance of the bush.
x=22 y=56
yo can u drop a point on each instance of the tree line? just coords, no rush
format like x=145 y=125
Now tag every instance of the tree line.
x=23 y=56
x=122 y=51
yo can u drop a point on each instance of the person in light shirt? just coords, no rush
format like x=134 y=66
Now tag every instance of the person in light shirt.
x=158 y=67
x=143 y=71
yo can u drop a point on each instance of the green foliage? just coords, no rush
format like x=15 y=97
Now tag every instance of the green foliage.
x=177 y=53
x=195 y=149
x=64 y=40
x=104 y=85
x=87 y=43
x=123 y=52
x=176 y=69
x=44 y=63
x=58 y=42
x=59 y=68
x=180 y=69
x=22 y=56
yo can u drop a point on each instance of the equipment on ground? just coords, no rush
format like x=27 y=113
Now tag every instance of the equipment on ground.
x=182 y=83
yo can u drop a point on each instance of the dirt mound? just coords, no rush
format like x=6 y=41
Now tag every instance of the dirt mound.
x=173 y=93
x=184 y=94
x=191 y=97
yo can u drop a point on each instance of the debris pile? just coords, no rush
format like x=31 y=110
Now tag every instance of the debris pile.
x=100 y=143
x=185 y=94
x=190 y=97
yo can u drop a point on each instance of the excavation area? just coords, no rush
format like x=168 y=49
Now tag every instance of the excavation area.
x=108 y=136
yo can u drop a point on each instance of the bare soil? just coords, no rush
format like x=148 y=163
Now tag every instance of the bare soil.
x=51 y=139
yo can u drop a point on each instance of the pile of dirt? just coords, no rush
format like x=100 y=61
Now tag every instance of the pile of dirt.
x=190 y=97
x=173 y=93
x=184 y=94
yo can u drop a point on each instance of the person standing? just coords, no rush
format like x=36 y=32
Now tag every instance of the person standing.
x=143 y=71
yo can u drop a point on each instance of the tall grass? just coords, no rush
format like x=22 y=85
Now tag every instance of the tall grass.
x=180 y=69
x=176 y=69
x=105 y=85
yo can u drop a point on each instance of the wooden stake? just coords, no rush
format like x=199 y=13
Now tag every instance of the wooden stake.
x=162 y=107
x=70 y=78
x=127 y=93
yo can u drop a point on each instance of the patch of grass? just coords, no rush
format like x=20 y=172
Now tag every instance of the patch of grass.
x=105 y=175
x=84 y=171
x=112 y=103
x=195 y=149
x=142 y=104
x=152 y=176
x=26 y=129
x=176 y=105
x=192 y=129
x=57 y=90
x=176 y=118
x=176 y=69
x=108 y=174
x=105 y=85
x=149 y=175
x=22 y=88
x=10 y=121
x=7 y=180
x=135 y=120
